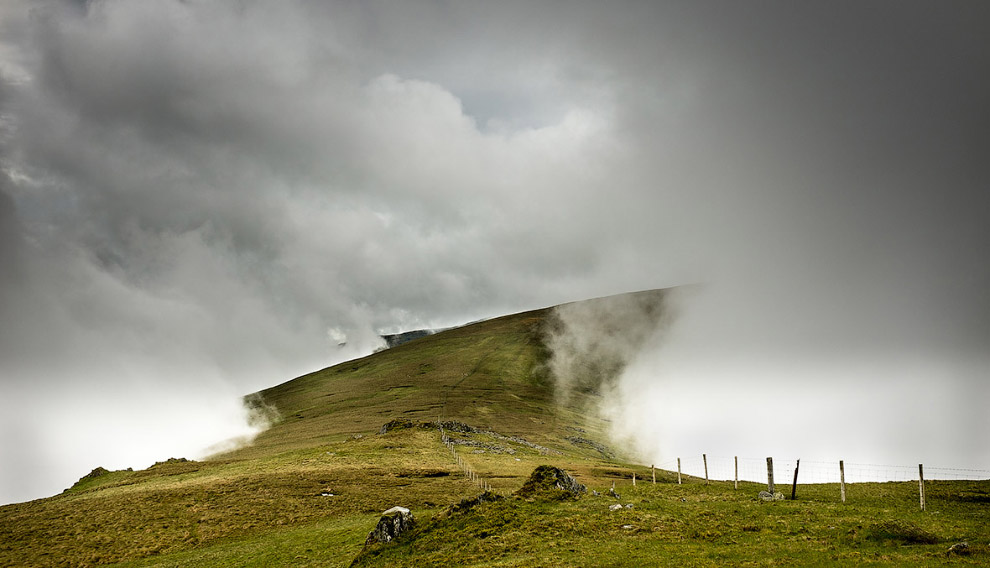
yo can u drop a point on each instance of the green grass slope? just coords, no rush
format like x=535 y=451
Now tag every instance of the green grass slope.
x=311 y=487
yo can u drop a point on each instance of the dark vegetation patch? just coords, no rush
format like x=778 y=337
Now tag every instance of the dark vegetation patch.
x=967 y=497
x=611 y=472
x=901 y=532
x=423 y=473
x=468 y=504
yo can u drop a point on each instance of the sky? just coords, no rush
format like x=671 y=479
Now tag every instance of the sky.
x=202 y=199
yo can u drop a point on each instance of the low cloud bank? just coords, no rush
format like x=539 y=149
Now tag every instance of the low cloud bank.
x=592 y=342
x=742 y=373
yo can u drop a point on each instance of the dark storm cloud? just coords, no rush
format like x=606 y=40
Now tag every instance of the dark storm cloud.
x=203 y=199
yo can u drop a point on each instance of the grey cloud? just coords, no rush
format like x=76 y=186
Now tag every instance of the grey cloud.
x=222 y=188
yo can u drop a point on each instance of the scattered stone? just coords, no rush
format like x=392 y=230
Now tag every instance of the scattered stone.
x=97 y=472
x=454 y=426
x=595 y=493
x=171 y=461
x=493 y=448
x=628 y=527
x=397 y=424
x=767 y=496
x=960 y=548
x=602 y=449
x=614 y=507
x=629 y=505
x=613 y=493
x=393 y=522
x=551 y=481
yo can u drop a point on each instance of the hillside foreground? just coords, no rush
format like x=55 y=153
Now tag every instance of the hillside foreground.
x=311 y=487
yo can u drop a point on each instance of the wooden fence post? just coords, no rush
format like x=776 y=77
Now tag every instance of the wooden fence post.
x=921 y=485
x=678 y=471
x=842 y=481
x=704 y=458
x=735 y=484
x=653 y=470
x=794 y=486
x=770 y=485
x=634 y=479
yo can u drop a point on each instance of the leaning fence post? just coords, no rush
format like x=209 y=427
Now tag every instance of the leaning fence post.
x=921 y=485
x=653 y=470
x=794 y=486
x=842 y=481
x=770 y=485
x=704 y=458
x=678 y=471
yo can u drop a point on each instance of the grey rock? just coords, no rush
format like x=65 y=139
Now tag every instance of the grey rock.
x=547 y=479
x=767 y=496
x=393 y=522
x=960 y=548
x=614 y=507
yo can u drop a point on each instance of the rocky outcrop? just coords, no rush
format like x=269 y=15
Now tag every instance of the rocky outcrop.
x=552 y=482
x=392 y=523
x=397 y=424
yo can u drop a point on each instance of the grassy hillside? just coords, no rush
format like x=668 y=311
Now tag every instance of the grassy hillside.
x=309 y=489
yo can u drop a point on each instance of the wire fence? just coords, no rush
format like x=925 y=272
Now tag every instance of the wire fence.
x=735 y=469
x=464 y=466
x=755 y=469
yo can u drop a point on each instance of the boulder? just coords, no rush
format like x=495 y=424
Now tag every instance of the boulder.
x=393 y=522
x=960 y=548
x=767 y=496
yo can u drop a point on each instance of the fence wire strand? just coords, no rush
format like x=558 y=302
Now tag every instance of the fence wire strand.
x=721 y=468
